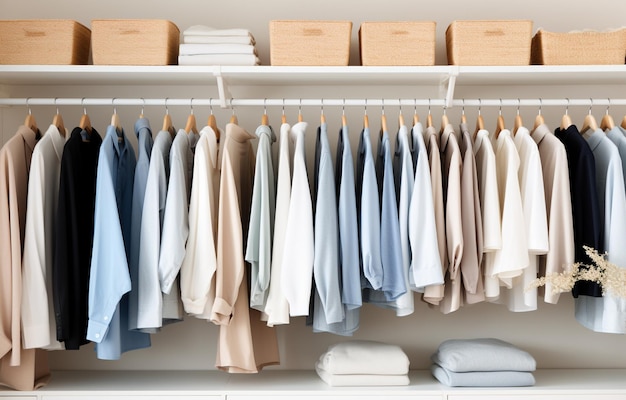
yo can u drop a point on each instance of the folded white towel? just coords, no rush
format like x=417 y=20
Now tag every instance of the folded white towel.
x=482 y=378
x=198 y=49
x=220 y=59
x=364 y=357
x=219 y=39
x=471 y=355
x=202 y=30
x=362 y=380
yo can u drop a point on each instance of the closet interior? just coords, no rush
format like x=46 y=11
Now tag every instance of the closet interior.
x=572 y=360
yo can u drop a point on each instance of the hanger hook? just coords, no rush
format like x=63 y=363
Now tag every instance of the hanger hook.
x=444 y=109
x=283 y=106
x=500 y=110
x=567 y=107
x=143 y=105
x=343 y=107
x=167 y=110
x=608 y=106
x=300 y=107
x=82 y=103
x=415 y=106
x=231 y=105
x=383 y=106
x=519 y=102
x=265 y=106
x=480 y=104
x=191 y=105
x=590 y=104
x=429 y=106
x=28 y=106
x=322 y=106
x=365 y=107
x=113 y=103
x=400 y=106
x=463 y=107
x=56 y=105
x=540 y=104
x=211 y=105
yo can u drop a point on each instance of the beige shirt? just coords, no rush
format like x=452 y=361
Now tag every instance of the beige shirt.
x=434 y=294
x=451 y=173
x=245 y=343
x=556 y=184
x=18 y=367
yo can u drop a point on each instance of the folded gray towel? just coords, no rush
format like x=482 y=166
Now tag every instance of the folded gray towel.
x=473 y=355
x=482 y=378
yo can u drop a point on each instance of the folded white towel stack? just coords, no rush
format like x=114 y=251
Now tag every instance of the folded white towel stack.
x=482 y=362
x=363 y=363
x=203 y=45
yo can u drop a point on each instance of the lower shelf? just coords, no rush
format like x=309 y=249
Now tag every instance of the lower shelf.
x=559 y=384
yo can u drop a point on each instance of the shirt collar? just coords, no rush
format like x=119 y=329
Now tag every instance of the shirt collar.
x=615 y=134
x=481 y=136
x=448 y=131
x=120 y=146
x=266 y=130
x=58 y=140
x=29 y=137
x=594 y=138
x=237 y=133
x=520 y=135
x=540 y=132
x=141 y=124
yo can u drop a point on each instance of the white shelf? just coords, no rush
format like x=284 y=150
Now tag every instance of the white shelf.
x=581 y=382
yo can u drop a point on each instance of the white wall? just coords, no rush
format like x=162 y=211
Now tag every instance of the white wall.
x=551 y=334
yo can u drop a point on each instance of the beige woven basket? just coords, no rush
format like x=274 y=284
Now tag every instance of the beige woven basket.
x=312 y=43
x=397 y=43
x=500 y=42
x=579 y=48
x=134 y=42
x=44 y=41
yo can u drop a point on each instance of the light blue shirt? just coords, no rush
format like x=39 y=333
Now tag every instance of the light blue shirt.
x=393 y=280
x=328 y=307
x=607 y=314
x=144 y=148
x=261 y=229
x=368 y=210
x=109 y=278
x=619 y=140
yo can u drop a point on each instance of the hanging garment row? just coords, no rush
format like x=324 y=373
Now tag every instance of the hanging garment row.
x=114 y=246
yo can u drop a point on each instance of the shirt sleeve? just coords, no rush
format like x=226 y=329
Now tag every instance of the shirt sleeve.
x=35 y=308
x=109 y=278
x=6 y=296
x=199 y=265
x=370 y=225
x=175 y=223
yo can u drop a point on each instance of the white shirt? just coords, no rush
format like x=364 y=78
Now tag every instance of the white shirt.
x=530 y=175
x=512 y=259
x=490 y=209
x=277 y=307
x=259 y=245
x=425 y=267
x=298 y=256
x=38 y=321
x=197 y=284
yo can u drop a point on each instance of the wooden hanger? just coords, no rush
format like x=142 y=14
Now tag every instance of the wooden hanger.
x=115 y=121
x=283 y=117
x=566 y=120
x=142 y=107
x=400 y=116
x=607 y=122
x=429 y=118
x=233 y=117
x=416 y=118
x=29 y=121
x=624 y=122
x=463 y=117
x=589 y=122
x=539 y=118
x=518 y=119
x=85 y=122
x=366 y=120
x=212 y=122
x=500 y=123
x=58 y=121
x=383 y=121
x=264 y=118
x=480 y=122
x=167 y=122
x=191 y=126
x=444 y=120
x=300 y=111
x=322 y=116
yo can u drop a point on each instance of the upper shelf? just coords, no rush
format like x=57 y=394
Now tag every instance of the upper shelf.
x=268 y=75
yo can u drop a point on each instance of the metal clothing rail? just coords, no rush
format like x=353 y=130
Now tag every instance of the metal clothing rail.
x=334 y=102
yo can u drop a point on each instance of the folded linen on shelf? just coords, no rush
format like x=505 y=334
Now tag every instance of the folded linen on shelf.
x=362 y=379
x=365 y=358
x=218 y=39
x=472 y=355
x=220 y=59
x=187 y=49
x=203 y=30
x=482 y=378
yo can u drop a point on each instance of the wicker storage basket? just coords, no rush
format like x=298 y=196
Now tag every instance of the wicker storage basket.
x=397 y=43
x=582 y=48
x=503 y=42
x=134 y=42
x=310 y=42
x=44 y=41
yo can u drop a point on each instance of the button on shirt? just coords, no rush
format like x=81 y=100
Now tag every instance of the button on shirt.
x=109 y=278
x=299 y=252
x=277 y=307
x=261 y=229
x=607 y=314
x=38 y=320
x=197 y=273
x=74 y=236
x=144 y=148
x=368 y=212
x=327 y=306
x=149 y=289
x=425 y=267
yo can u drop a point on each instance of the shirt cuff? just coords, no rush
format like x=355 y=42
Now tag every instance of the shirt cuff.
x=222 y=312
x=194 y=307
x=96 y=331
x=425 y=277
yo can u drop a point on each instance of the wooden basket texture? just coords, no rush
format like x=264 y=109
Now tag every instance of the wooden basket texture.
x=397 y=43
x=579 y=48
